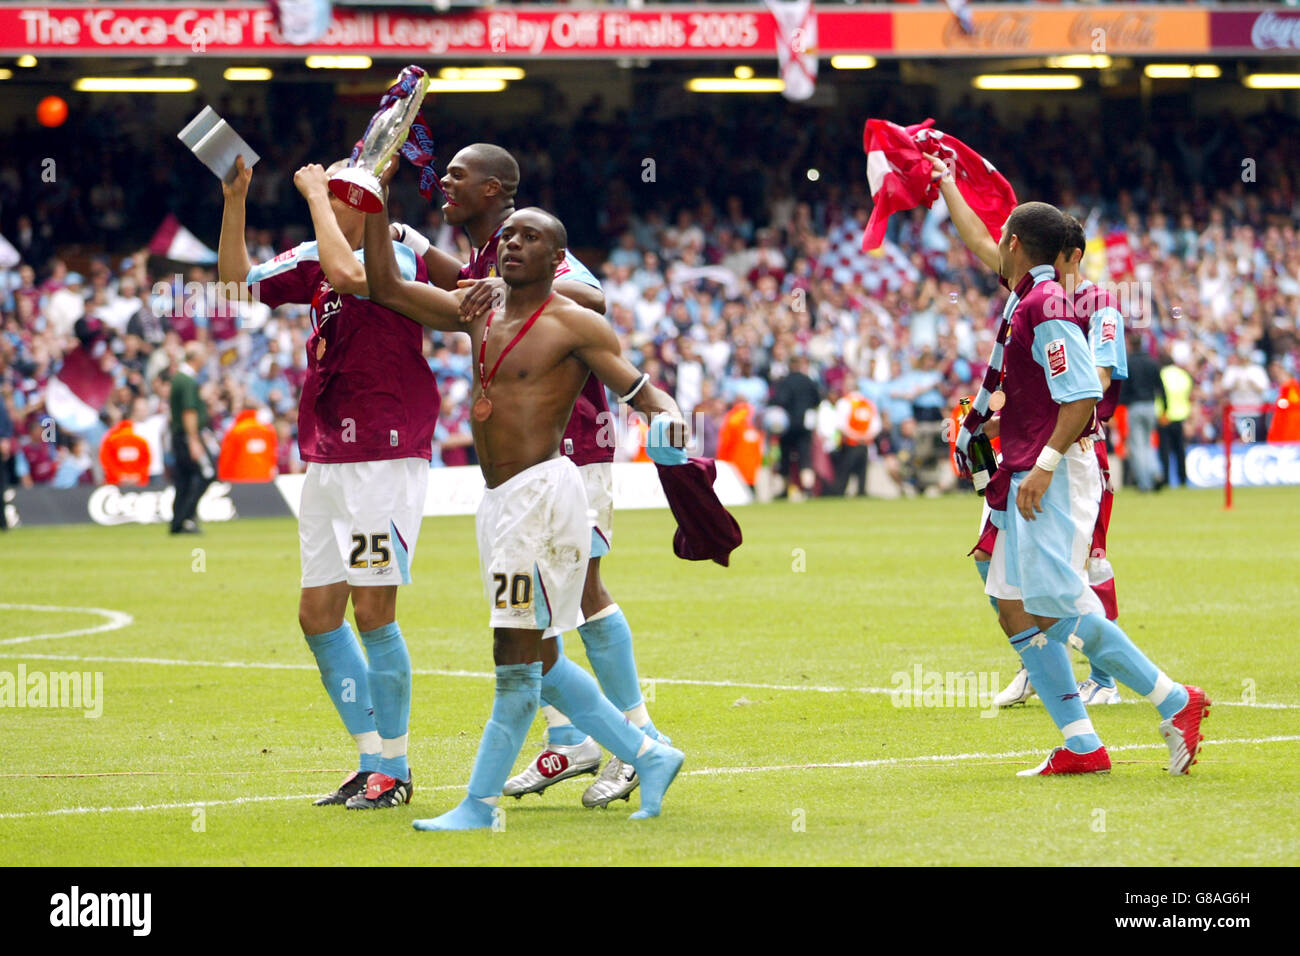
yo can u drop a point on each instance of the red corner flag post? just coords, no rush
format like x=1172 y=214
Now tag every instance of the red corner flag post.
x=1230 y=414
x=1227 y=457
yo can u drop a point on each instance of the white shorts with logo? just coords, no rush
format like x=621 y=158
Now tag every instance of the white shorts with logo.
x=1044 y=562
x=599 y=481
x=359 y=521
x=534 y=541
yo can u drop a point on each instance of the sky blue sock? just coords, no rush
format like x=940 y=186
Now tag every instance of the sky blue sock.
x=609 y=648
x=1048 y=664
x=343 y=671
x=576 y=693
x=390 y=691
x=1105 y=643
x=517 y=695
x=983 y=568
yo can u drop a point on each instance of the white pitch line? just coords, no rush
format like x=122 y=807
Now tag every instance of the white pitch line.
x=115 y=620
x=485 y=675
x=705 y=772
x=939 y=758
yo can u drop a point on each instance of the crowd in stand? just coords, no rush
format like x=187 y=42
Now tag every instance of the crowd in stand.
x=725 y=279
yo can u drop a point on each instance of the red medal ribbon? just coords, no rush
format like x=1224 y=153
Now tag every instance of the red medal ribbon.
x=485 y=378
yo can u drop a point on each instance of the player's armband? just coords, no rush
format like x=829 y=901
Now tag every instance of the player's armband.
x=640 y=384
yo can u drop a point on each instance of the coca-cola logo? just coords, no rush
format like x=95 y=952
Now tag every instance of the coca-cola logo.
x=1252 y=465
x=110 y=505
x=1275 y=31
x=1001 y=31
x=1128 y=30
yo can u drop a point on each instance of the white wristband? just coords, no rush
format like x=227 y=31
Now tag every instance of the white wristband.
x=414 y=240
x=1048 y=458
x=640 y=383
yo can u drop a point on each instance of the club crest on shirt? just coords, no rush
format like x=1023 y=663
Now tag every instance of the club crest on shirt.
x=1108 y=328
x=1056 y=361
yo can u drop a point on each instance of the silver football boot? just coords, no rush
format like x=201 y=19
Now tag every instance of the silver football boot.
x=552 y=765
x=616 y=782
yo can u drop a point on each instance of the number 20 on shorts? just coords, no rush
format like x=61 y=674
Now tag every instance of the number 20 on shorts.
x=521 y=590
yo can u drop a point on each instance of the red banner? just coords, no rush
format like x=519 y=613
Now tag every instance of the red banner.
x=1266 y=31
x=557 y=32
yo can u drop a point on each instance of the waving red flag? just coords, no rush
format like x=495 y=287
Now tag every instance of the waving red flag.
x=899 y=176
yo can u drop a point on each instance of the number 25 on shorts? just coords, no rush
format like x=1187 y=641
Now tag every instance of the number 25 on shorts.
x=379 y=552
x=521 y=590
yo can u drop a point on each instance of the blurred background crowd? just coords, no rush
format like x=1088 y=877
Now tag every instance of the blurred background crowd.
x=731 y=270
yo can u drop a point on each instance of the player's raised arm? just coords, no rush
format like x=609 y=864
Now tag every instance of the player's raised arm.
x=337 y=261
x=969 y=226
x=418 y=301
x=233 y=264
x=443 y=268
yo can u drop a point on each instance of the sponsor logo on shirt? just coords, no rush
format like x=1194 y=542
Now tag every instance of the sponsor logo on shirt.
x=285 y=256
x=1056 y=361
x=1108 y=329
x=325 y=303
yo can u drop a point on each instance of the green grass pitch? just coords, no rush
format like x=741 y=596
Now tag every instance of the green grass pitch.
x=772 y=675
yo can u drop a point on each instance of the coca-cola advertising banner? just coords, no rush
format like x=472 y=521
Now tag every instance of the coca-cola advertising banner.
x=1028 y=28
x=555 y=32
x=723 y=31
x=1262 y=31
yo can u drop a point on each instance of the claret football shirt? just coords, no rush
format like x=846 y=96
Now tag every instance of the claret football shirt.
x=369 y=394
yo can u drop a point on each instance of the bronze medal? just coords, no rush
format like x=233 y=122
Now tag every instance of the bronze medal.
x=320 y=349
x=482 y=409
x=997 y=400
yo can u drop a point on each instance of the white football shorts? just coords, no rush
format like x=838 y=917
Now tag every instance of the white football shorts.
x=1044 y=562
x=599 y=482
x=534 y=541
x=359 y=521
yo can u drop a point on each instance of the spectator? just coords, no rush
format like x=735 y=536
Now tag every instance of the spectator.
x=1140 y=392
x=799 y=396
x=74 y=465
x=1245 y=386
x=1173 y=412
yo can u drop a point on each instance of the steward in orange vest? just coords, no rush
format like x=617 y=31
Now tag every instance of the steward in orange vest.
x=124 y=456
x=248 y=451
x=741 y=442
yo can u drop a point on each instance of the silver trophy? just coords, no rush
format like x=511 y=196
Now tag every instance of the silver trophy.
x=358 y=183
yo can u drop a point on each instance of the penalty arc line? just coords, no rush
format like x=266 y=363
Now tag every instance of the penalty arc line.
x=115 y=620
x=704 y=772
x=485 y=675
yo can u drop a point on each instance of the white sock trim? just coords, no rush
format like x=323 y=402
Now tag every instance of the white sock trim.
x=603 y=612
x=490 y=801
x=1164 y=687
x=1077 y=728
x=368 y=742
x=396 y=747
x=554 y=718
x=638 y=715
x=646 y=744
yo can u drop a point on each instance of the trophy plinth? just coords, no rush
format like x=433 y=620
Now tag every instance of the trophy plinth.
x=358 y=188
